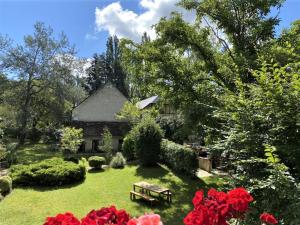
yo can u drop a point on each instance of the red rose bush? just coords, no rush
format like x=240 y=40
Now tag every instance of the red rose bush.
x=62 y=219
x=267 y=218
x=218 y=208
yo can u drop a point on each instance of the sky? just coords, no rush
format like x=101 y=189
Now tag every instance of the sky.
x=88 y=23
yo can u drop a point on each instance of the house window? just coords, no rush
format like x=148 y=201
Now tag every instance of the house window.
x=120 y=144
x=95 y=146
x=82 y=147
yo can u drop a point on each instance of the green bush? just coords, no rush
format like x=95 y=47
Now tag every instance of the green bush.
x=96 y=162
x=128 y=148
x=178 y=157
x=147 y=141
x=50 y=172
x=73 y=159
x=118 y=161
x=5 y=185
x=71 y=139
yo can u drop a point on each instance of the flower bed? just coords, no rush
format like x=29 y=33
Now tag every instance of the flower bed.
x=216 y=209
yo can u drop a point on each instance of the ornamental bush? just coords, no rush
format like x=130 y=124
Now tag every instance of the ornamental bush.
x=96 y=162
x=118 y=161
x=147 y=141
x=5 y=185
x=71 y=139
x=128 y=148
x=178 y=157
x=50 y=172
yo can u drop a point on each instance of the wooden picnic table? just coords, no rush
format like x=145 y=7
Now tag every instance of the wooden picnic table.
x=148 y=188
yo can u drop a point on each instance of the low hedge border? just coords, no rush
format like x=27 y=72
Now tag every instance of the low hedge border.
x=178 y=157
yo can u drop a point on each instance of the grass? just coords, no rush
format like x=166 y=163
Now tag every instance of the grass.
x=30 y=206
x=30 y=153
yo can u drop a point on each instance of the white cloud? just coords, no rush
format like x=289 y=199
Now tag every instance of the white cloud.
x=90 y=37
x=126 y=23
x=78 y=66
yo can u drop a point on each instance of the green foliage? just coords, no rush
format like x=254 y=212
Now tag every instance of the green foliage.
x=179 y=157
x=50 y=172
x=174 y=128
x=71 y=139
x=107 y=68
x=106 y=145
x=3 y=152
x=42 y=94
x=5 y=185
x=96 y=162
x=131 y=113
x=118 y=161
x=147 y=141
x=270 y=153
x=128 y=146
x=260 y=138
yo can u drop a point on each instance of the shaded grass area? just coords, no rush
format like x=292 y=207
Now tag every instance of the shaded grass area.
x=100 y=189
x=30 y=153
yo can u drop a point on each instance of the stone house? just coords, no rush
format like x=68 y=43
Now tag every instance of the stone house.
x=97 y=112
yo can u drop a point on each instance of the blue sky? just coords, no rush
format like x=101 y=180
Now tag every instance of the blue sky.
x=87 y=23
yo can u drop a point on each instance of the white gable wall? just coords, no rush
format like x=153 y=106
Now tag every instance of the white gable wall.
x=101 y=106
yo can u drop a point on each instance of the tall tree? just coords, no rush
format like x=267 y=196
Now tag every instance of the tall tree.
x=38 y=65
x=107 y=68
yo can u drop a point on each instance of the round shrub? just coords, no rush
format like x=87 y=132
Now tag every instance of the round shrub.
x=5 y=185
x=118 y=161
x=147 y=142
x=50 y=172
x=96 y=162
x=128 y=149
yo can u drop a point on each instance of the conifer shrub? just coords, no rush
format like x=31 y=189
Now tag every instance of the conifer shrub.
x=49 y=172
x=118 y=161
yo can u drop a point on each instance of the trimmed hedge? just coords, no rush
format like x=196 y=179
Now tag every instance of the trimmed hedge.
x=96 y=162
x=5 y=185
x=178 y=157
x=50 y=172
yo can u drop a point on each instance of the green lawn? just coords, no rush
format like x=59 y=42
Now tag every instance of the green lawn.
x=30 y=153
x=27 y=206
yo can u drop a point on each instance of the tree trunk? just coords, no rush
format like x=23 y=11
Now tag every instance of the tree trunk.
x=25 y=112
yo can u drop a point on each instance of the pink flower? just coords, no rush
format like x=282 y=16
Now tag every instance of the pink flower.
x=148 y=219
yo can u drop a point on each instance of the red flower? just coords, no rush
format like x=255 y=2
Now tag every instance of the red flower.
x=198 y=198
x=268 y=218
x=199 y=217
x=62 y=219
x=105 y=216
x=218 y=207
x=239 y=199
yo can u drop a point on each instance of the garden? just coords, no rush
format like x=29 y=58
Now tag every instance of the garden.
x=31 y=205
x=78 y=134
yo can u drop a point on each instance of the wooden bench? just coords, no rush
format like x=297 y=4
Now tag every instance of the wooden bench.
x=144 y=196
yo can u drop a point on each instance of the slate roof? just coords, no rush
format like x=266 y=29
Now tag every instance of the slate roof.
x=147 y=102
